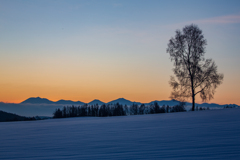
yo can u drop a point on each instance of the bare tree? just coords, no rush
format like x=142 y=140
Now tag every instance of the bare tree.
x=194 y=74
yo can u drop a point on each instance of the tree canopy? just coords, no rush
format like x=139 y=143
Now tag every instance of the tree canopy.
x=193 y=73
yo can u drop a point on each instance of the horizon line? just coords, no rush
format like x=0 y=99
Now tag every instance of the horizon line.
x=111 y=100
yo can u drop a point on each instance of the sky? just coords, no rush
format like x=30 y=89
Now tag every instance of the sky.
x=109 y=49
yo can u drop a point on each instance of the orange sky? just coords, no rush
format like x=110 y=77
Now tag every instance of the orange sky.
x=139 y=91
x=77 y=50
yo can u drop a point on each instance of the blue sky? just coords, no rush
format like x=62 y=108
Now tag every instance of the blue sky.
x=82 y=50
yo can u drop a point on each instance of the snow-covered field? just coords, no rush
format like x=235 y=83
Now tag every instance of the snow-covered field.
x=212 y=134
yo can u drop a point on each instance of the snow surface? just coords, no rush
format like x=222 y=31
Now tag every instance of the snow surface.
x=212 y=134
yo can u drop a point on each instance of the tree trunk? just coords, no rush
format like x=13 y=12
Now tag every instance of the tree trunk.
x=193 y=102
x=193 y=95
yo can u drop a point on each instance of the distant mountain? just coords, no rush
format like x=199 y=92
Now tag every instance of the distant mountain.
x=45 y=107
x=69 y=102
x=123 y=101
x=96 y=101
x=166 y=102
x=214 y=105
x=37 y=100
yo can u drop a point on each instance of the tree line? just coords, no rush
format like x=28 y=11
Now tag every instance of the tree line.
x=107 y=110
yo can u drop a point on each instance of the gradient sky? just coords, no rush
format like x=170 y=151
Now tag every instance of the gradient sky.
x=91 y=49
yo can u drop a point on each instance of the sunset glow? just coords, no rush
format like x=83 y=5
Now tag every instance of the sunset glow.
x=85 y=50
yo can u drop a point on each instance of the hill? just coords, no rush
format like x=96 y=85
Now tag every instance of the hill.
x=5 y=117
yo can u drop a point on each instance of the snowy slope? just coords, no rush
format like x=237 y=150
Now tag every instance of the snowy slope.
x=212 y=134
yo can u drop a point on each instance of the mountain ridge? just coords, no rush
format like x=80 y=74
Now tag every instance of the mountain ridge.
x=96 y=101
x=123 y=101
x=39 y=100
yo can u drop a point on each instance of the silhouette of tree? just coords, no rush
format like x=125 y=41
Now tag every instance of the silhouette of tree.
x=178 y=108
x=156 y=108
x=142 y=109
x=162 y=109
x=57 y=113
x=89 y=111
x=134 y=109
x=107 y=110
x=94 y=109
x=118 y=110
x=151 y=109
x=194 y=74
x=64 y=112
x=167 y=108
x=126 y=109
x=103 y=111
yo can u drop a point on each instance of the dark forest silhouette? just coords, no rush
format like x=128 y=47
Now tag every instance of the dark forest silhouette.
x=107 y=110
